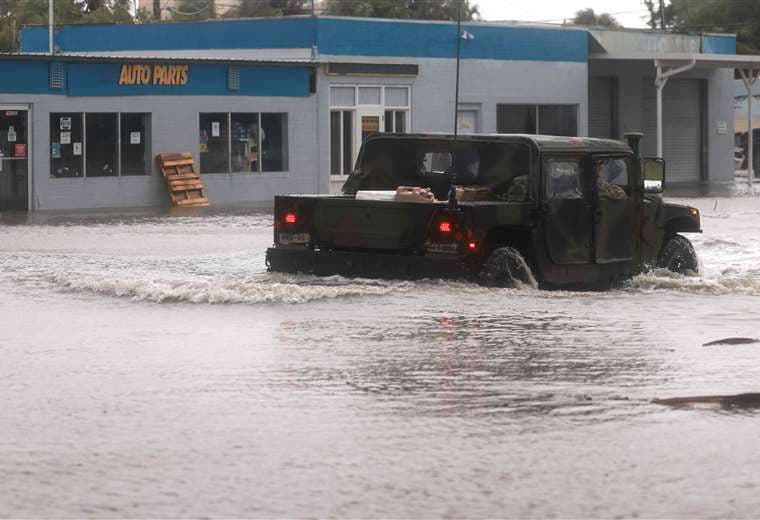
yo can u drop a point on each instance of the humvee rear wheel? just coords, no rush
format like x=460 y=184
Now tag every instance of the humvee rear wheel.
x=505 y=267
x=678 y=255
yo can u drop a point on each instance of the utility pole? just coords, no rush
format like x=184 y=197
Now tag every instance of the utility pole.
x=662 y=14
x=51 y=23
x=157 y=10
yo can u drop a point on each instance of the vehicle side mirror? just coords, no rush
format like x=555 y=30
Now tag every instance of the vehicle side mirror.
x=654 y=174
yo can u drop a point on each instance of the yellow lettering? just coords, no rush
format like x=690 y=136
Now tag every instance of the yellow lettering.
x=183 y=74
x=172 y=79
x=158 y=74
x=144 y=74
x=124 y=75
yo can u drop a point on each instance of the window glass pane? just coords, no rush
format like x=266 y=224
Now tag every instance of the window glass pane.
x=101 y=140
x=369 y=95
x=400 y=121
x=342 y=96
x=335 y=141
x=396 y=97
x=348 y=141
x=563 y=178
x=389 y=120
x=612 y=178
x=516 y=119
x=245 y=142
x=274 y=142
x=66 y=145
x=214 y=143
x=558 y=120
x=135 y=144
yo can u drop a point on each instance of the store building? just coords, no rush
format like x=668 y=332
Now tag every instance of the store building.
x=271 y=106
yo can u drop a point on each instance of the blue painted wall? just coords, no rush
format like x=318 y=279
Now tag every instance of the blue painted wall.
x=719 y=44
x=438 y=40
x=102 y=79
x=231 y=34
x=336 y=36
x=24 y=77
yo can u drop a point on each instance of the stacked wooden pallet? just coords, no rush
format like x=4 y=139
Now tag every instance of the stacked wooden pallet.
x=183 y=182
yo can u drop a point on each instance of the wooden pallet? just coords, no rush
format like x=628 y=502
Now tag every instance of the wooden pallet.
x=183 y=182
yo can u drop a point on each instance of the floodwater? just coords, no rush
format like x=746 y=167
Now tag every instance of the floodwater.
x=151 y=367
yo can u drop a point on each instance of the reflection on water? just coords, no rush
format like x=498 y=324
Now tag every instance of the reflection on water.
x=151 y=367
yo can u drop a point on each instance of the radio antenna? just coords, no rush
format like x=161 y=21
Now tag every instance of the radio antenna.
x=459 y=46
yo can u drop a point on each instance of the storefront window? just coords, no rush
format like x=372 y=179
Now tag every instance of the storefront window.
x=135 y=144
x=254 y=142
x=341 y=141
x=101 y=139
x=274 y=142
x=245 y=142
x=537 y=119
x=516 y=119
x=214 y=143
x=558 y=120
x=66 y=145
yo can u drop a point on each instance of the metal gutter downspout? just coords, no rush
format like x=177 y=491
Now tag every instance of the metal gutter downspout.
x=749 y=81
x=663 y=74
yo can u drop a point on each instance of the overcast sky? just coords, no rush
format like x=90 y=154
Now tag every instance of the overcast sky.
x=630 y=13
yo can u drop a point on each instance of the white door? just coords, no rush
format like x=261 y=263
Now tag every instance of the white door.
x=368 y=121
x=15 y=153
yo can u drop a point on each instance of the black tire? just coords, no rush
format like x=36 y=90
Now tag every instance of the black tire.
x=505 y=267
x=678 y=255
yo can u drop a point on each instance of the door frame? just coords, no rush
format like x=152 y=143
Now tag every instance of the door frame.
x=27 y=107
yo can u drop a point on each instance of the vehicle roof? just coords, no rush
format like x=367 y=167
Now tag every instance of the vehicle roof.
x=544 y=143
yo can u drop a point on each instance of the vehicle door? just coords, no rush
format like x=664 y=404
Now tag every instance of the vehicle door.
x=614 y=206
x=567 y=209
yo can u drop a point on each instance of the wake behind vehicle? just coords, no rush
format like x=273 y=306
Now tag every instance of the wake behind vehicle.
x=573 y=212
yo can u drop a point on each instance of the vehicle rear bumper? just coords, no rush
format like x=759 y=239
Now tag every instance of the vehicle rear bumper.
x=371 y=265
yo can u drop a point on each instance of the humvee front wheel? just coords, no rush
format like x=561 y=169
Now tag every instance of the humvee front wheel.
x=678 y=255
x=505 y=267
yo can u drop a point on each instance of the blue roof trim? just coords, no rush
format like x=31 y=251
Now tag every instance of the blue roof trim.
x=436 y=40
x=719 y=44
x=336 y=36
x=275 y=33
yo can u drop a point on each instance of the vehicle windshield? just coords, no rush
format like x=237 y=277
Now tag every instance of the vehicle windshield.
x=386 y=164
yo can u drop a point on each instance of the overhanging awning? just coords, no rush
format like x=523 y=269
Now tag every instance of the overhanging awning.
x=668 y=65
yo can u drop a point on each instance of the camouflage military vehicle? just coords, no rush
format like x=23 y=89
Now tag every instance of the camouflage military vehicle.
x=573 y=212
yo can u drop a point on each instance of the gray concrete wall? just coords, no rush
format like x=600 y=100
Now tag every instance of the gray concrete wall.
x=174 y=128
x=719 y=108
x=483 y=83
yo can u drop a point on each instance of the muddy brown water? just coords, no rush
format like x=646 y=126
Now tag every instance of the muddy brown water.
x=151 y=367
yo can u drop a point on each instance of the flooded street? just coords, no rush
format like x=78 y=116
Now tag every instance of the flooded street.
x=151 y=367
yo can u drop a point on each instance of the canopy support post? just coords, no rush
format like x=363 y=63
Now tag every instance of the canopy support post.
x=749 y=77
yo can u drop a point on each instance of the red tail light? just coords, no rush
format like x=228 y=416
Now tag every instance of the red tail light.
x=444 y=226
x=290 y=218
x=472 y=245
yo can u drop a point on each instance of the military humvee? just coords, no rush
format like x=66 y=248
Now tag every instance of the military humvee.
x=573 y=212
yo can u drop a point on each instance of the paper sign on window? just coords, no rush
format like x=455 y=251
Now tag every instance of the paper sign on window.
x=215 y=129
x=20 y=151
x=65 y=137
x=11 y=134
x=134 y=137
x=77 y=148
x=55 y=150
x=65 y=123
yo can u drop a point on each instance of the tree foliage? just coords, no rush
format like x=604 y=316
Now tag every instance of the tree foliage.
x=403 y=9
x=741 y=17
x=588 y=18
x=15 y=13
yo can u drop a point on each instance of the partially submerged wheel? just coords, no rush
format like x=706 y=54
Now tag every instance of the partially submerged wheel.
x=678 y=255
x=505 y=267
